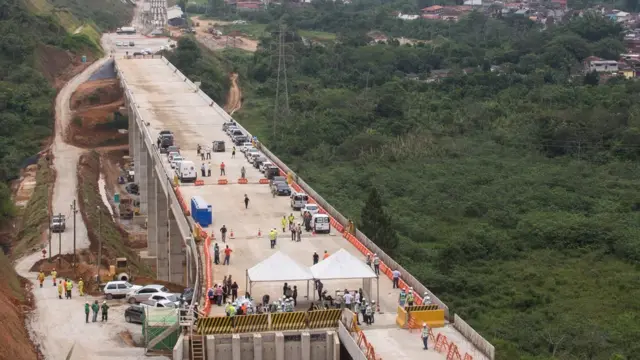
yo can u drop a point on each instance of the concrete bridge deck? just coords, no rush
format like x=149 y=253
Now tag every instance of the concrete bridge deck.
x=166 y=102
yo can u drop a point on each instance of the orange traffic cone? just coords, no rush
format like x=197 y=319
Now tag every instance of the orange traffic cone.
x=231 y=237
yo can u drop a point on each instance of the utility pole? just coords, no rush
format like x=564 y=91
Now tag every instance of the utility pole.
x=282 y=71
x=73 y=209
x=99 y=245
x=60 y=245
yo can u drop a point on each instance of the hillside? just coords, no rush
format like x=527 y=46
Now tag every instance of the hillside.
x=510 y=176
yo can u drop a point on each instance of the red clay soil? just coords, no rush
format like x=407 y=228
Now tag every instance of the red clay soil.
x=58 y=66
x=15 y=299
x=92 y=93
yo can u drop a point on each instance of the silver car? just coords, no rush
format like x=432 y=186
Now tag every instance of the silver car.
x=144 y=293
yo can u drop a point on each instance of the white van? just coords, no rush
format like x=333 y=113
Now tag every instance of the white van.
x=298 y=200
x=186 y=171
x=321 y=223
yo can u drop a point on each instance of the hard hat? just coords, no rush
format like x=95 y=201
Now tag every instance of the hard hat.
x=87 y=303
x=424 y=324
x=228 y=301
x=373 y=301
x=410 y=288
x=104 y=302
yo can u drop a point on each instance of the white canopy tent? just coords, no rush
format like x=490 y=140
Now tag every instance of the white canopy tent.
x=278 y=267
x=343 y=266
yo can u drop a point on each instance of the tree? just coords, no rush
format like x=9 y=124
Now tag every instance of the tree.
x=377 y=224
x=592 y=78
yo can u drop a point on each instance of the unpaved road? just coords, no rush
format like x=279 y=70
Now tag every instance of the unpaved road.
x=58 y=325
x=234 y=101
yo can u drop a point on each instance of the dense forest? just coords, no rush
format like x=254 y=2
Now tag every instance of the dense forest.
x=26 y=97
x=511 y=182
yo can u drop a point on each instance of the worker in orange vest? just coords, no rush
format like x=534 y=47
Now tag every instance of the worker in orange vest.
x=326 y=255
x=222 y=169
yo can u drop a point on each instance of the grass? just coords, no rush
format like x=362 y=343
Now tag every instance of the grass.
x=100 y=226
x=317 y=35
x=36 y=215
x=253 y=31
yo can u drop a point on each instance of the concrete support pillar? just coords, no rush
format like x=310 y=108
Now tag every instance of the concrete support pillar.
x=152 y=217
x=186 y=353
x=305 y=346
x=177 y=252
x=134 y=145
x=235 y=347
x=210 y=346
x=329 y=345
x=257 y=347
x=162 y=236
x=145 y=163
x=279 y=346
x=336 y=345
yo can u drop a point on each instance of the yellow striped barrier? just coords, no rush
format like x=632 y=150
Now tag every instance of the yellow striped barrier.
x=324 y=318
x=251 y=323
x=214 y=325
x=421 y=307
x=289 y=321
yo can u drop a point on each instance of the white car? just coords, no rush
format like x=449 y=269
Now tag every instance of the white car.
x=119 y=289
x=265 y=165
x=245 y=146
x=144 y=293
x=231 y=129
x=119 y=43
x=159 y=304
x=164 y=296
x=253 y=157
x=175 y=160
x=249 y=152
x=172 y=154
x=310 y=208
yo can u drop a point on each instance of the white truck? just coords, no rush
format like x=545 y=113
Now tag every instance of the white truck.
x=126 y=30
x=186 y=171
x=321 y=223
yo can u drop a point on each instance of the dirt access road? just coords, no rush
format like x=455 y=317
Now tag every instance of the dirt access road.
x=57 y=325
x=234 y=100
x=224 y=41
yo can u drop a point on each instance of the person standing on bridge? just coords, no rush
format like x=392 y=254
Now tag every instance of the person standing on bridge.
x=60 y=289
x=243 y=172
x=202 y=169
x=208 y=153
x=376 y=264
x=69 y=288
x=41 y=278
x=227 y=255
x=199 y=149
x=86 y=312
x=283 y=222
x=395 y=277
x=216 y=254
x=291 y=219
x=299 y=232
x=81 y=287
x=316 y=257
x=209 y=169
x=105 y=311
x=272 y=237
x=222 y=169
x=425 y=336
x=233 y=153
x=54 y=275
x=246 y=198
x=223 y=233
x=410 y=297
x=95 y=308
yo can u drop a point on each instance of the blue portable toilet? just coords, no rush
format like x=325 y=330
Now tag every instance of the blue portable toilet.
x=201 y=212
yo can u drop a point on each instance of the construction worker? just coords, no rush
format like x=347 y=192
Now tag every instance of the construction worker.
x=272 y=237
x=54 y=275
x=292 y=219
x=369 y=312
x=246 y=199
x=284 y=223
x=227 y=255
x=69 y=288
x=203 y=170
x=86 y=312
x=410 y=297
x=356 y=311
x=41 y=277
x=81 y=287
x=105 y=311
x=376 y=264
x=216 y=254
x=316 y=257
x=288 y=307
x=243 y=172
x=209 y=169
x=233 y=153
x=222 y=169
x=223 y=233
x=326 y=255
x=425 y=336
x=232 y=314
x=363 y=310
x=402 y=298
x=426 y=300
x=60 y=289
x=95 y=308
x=373 y=313
x=368 y=260
x=395 y=277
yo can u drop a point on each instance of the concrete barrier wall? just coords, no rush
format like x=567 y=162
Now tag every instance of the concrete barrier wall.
x=179 y=349
x=350 y=344
x=467 y=331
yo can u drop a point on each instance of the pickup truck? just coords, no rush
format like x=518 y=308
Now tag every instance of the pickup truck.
x=58 y=223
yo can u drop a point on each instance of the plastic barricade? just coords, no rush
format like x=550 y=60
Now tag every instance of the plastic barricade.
x=251 y=323
x=289 y=321
x=243 y=181
x=324 y=318
x=214 y=325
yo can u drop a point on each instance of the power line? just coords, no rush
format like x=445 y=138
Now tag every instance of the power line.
x=281 y=77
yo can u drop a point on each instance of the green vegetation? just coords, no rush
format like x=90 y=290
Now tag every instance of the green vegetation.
x=317 y=35
x=100 y=225
x=35 y=217
x=511 y=178
x=254 y=31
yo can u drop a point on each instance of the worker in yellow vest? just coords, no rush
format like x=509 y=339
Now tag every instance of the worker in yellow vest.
x=69 y=288
x=60 y=289
x=81 y=287
x=425 y=336
x=41 y=277
x=283 y=222
x=54 y=275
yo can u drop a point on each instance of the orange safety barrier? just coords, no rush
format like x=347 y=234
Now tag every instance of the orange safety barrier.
x=199 y=183
x=243 y=181
x=453 y=353
x=222 y=182
x=264 y=181
x=183 y=204
x=442 y=343
x=209 y=281
x=467 y=357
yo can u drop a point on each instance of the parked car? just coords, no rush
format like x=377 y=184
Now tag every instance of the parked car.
x=119 y=289
x=226 y=125
x=231 y=129
x=253 y=157
x=132 y=189
x=118 y=43
x=274 y=184
x=282 y=189
x=236 y=132
x=265 y=165
x=257 y=162
x=271 y=172
x=310 y=208
x=172 y=154
x=277 y=179
x=144 y=292
x=187 y=295
x=161 y=296
x=160 y=303
x=250 y=152
x=134 y=314
x=176 y=159
x=239 y=140
x=218 y=146
x=245 y=146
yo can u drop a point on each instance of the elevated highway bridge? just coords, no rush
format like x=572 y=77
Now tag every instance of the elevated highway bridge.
x=159 y=97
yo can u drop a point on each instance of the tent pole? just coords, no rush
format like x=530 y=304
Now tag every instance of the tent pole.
x=378 y=289
x=246 y=281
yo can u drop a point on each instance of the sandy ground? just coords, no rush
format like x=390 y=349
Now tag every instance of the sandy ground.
x=58 y=325
x=26 y=186
x=212 y=43
x=234 y=100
